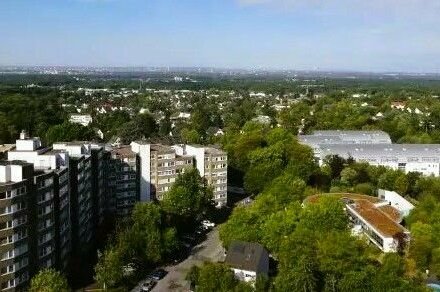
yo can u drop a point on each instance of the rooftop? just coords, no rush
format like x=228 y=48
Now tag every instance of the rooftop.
x=6 y=147
x=383 y=217
x=245 y=255
x=124 y=151
x=161 y=148
x=378 y=151
x=377 y=218
x=391 y=212
x=346 y=137
x=342 y=196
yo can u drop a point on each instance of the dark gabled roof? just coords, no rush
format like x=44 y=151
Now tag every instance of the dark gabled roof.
x=245 y=255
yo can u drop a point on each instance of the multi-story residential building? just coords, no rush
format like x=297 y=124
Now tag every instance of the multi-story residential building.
x=34 y=212
x=212 y=164
x=87 y=201
x=123 y=180
x=159 y=168
x=16 y=228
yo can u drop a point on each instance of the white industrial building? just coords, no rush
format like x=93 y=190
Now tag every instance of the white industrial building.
x=375 y=148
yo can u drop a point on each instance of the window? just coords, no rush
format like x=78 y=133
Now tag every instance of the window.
x=7 y=270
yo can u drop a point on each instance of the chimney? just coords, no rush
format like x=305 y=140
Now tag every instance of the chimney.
x=24 y=135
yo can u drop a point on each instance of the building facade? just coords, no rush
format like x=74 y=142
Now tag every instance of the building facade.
x=87 y=192
x=34 y=222
x=123 y=183
x=212 y=164
x=375 y=148
x=159 y=168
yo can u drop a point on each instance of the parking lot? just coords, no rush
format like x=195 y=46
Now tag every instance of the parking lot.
x=208 y=250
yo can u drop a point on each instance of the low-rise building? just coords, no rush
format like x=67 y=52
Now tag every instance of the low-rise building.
x=396 y=201
x=375 y=148
x=84 y=120
x=247 y=260
x=422 y=158
x=374 y=218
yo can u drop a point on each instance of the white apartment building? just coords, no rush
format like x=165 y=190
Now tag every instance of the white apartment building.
x=423 y=158
x=34 y=196
x=159 y=168
x=122 y=180
x=212 y=164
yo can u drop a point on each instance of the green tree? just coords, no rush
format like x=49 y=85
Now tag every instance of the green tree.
x=108 y=270
x=421 y=244
x=189 y=196
x=49 y=280
x=216 y=277
x=67 y=132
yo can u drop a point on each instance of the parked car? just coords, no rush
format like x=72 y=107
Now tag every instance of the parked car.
x=148 y=285
x=158 y=274
x=207 y=223
x=201 y=230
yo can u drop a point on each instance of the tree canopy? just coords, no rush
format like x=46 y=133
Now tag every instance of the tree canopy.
x=49 y=280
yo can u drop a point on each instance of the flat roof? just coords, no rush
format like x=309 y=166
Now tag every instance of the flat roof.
x=161 y=148
x=377 y=218
x=350 y=132
x=391 y=212
x=350 y=196
x=380 y=151
x=124 y=151
x=384 y=218
x=346 y=137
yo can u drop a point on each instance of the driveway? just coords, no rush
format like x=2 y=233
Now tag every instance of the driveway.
x=208 y=250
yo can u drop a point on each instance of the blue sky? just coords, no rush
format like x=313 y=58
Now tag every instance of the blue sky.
x=373 y=35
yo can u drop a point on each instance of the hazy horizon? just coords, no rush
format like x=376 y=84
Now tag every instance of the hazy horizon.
x=298 y=35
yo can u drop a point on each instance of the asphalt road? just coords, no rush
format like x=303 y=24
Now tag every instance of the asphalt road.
x=208 y=250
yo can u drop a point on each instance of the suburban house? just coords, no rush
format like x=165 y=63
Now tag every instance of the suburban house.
x=247 y=260
x=84 y=120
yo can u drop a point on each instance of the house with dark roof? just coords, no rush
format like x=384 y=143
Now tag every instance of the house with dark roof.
x=247 y=260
